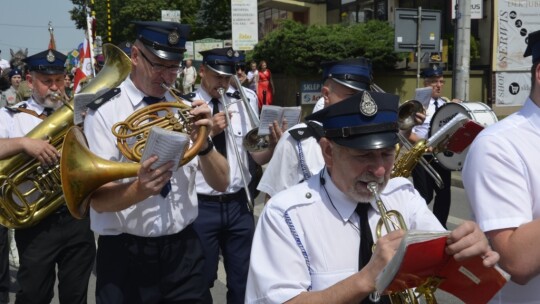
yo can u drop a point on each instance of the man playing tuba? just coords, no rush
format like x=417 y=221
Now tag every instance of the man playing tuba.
x=59 y=241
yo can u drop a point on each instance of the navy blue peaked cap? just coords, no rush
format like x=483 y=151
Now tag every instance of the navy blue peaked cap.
x=223 y=60
x=355 y=73
x=47 y=62
x=126 y=47
x=366 y=121
x=432 y=71
x=167 y=40
x=533 y=46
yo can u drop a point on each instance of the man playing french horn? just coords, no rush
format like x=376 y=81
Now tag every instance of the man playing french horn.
x=148 y=251
x=312 y=241
x=58 y=241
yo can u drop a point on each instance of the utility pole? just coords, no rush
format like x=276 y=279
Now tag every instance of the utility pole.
x=462 y=50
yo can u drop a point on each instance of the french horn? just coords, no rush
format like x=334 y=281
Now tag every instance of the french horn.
x=29 y=191
x=83 y=172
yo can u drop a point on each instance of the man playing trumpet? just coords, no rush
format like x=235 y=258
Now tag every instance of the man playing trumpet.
x=307 y=240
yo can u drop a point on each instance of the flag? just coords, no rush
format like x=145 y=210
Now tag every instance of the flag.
x=52 y=43
x=85 y=68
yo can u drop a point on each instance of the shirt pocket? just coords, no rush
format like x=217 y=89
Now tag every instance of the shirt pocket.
x=320 y=281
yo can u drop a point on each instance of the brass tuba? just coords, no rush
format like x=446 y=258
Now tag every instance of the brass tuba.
x=393 y=220
x=83 y=172
x=29 y=191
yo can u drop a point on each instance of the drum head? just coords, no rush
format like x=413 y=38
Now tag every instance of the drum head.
x=477 y=111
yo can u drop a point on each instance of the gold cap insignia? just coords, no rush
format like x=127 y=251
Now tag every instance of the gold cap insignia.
x=50 y=57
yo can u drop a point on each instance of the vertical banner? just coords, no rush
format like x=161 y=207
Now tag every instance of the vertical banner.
x=244 y=20
x=513 y=21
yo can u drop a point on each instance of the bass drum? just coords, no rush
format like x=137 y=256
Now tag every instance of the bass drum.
x=477 y=111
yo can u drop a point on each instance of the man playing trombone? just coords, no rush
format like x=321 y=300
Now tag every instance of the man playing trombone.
x=306 y=247
x=225 y=220
x=148 y=251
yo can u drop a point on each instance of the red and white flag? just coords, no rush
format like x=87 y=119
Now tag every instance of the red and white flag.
x=85 y=68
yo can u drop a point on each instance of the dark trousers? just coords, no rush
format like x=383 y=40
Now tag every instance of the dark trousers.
x=60 y=241
x=166 y=269
x=425 y=184
x=4 y=263
x=229 y=227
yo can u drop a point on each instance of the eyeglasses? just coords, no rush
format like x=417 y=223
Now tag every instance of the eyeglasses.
x=435 y=81
x=160 y=68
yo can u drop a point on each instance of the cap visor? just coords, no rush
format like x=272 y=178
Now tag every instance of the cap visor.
x=359 y=86
x=369 y=141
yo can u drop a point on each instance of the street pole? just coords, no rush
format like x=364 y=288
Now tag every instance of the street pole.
x=462 y=47
x=418 y=46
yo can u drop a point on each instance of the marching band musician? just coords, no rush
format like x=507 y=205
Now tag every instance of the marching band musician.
x=297 y=155
x=59 y=240
x=423 y=182
x=501 y=175
x=148 y=251
x=225 y=221
x=306 y=245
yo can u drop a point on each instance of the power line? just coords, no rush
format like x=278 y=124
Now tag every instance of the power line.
x=38 y=26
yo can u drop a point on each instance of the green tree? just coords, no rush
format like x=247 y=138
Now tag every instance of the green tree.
x=214 y=19
x=296 y=49
x=123 y=13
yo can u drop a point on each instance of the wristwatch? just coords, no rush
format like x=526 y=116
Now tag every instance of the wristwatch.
x=209 y=148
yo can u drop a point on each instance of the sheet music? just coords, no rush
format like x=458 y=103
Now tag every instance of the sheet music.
x=270 y=113
x=167 y=145
x=81 y=101
x=446 y=131
x=423 y=95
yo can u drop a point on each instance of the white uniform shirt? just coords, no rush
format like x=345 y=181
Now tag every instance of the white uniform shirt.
x=423 y=130
x=154 y=216
x=241 y=125
x=284 y=169
x=501 y=176
x=19 y=124
x=327 y=230
x=319 y=105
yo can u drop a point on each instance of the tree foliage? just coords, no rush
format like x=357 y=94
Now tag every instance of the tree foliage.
x=296 y=49
x=122 y=13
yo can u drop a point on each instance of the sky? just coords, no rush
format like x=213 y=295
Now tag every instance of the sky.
x=25 y=24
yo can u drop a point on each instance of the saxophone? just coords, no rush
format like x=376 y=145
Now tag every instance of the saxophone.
x=29 y=192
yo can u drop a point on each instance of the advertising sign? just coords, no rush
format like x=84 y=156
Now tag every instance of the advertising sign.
x=514 y=20
x=310 y=92
x=512 y=88
x=476 y=9
x=205 y=44
x=245 y=25
x=169 y=15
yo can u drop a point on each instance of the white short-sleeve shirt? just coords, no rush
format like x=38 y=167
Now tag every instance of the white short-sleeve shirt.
x=154 y=216
x=19 y=124
x=315 y=224
x=501 y=176
x=241 y=125
x=284 y=169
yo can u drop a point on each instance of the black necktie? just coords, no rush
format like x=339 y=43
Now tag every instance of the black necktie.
x=219 y=140
x=436 y=104
x=150 y=101
x=366 y=239
x=366 y=246
x=48 y=111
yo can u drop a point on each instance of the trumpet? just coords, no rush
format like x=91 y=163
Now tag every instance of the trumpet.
x=236 y=152
x=393 y=220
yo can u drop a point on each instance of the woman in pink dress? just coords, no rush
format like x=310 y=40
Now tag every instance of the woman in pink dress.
x=265 y=85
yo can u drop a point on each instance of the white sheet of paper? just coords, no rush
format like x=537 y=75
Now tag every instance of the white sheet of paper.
x=423 y=95
x=167 y=145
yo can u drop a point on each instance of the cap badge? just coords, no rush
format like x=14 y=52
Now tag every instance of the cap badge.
x=230 y=53
x=368 y=107
x=50 y=57
x=236 y=54
x=173 y=37
x=128 y=44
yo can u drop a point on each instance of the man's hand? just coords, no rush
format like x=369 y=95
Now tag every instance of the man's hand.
x=202 y=111
x=41 y=150
x=276 y=131
x=385 y=249
x=150 y=181
x=467 y=240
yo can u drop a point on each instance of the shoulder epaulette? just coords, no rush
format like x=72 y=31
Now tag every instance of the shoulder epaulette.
x=188 y=97
x=16 y=109
x=302 y=133
x=235 y=95
x=104 y=98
